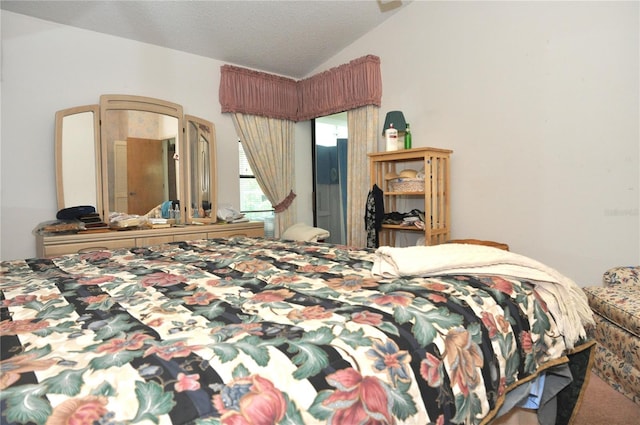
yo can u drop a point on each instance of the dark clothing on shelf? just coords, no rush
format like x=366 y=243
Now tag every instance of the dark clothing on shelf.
x=395 y=217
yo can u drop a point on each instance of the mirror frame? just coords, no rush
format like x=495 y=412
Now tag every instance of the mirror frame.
x=203 y=126
x=146 y=104
x=185 y=172
x=59 y=155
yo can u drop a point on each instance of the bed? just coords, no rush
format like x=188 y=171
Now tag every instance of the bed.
x=260 y=331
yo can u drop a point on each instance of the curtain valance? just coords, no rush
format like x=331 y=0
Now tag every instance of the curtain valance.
x=257 y=93
x=345 y=87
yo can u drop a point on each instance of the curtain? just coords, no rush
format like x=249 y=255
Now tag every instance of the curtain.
x=269 y=146
x=363 y=138
x=343 y=169
x=264 y=107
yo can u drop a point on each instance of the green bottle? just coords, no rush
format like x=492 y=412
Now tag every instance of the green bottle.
x=407 y=138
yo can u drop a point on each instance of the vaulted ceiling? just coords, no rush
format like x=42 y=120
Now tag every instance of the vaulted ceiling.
x=289 y=38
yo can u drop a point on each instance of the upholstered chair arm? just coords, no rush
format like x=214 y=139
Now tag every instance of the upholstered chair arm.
x=629 y=275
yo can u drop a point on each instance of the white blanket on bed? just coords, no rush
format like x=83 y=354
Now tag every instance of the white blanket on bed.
x=566 y=301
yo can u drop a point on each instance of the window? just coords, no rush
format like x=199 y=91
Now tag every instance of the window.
x=253 y=203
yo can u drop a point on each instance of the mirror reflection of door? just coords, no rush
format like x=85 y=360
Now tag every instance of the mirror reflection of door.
x=145 y=175
x=330 y=175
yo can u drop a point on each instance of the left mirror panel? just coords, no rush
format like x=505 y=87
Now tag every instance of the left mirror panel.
x=78 y=182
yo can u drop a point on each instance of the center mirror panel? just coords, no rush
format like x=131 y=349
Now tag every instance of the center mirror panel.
x=201 y=179
x=141 y=147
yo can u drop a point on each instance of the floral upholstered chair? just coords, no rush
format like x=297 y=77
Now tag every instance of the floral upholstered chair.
x=616 y=310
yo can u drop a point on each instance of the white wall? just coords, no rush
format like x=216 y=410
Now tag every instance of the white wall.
x=539 y=101
x=47 y=67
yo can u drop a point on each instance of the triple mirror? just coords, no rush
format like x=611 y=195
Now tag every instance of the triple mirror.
x=128 y=155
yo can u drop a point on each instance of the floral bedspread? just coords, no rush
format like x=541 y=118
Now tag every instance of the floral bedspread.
x=258 y=331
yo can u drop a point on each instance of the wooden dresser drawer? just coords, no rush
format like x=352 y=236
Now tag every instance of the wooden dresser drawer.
x=78 y=247
x=51 y=246
x=153 y=240
x=189 y=237
x=250 y=233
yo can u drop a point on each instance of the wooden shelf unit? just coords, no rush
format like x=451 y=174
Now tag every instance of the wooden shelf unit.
x=51 y=246
x=436 y=193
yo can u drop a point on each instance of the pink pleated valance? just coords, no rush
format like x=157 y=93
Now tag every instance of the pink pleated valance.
x=257 y=93
x=349 y=86
x=342 y=88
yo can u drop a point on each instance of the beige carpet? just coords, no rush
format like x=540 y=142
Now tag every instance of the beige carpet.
x=601 y=405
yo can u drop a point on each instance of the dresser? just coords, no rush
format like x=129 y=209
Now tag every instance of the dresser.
x=51 y=246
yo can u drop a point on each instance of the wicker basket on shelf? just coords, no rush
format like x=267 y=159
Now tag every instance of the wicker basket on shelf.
x=406 y=185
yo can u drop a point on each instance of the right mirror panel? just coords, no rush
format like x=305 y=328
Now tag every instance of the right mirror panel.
x=201 y=152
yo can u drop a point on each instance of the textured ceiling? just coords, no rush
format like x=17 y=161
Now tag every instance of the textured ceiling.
x=289 y=38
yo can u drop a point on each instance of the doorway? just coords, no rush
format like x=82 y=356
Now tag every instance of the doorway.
x=330 y=146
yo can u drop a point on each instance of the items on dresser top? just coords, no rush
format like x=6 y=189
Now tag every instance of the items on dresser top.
x=73 y=213
x=86 y=214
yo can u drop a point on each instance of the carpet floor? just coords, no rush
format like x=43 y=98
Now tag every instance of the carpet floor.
x=602 y=405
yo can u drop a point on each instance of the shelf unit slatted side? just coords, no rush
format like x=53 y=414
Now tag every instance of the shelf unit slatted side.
x=439 y=196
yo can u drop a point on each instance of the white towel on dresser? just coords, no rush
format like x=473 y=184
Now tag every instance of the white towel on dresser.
x=564 y=298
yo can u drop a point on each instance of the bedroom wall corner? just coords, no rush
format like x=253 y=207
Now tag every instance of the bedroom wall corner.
x=539 y=102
